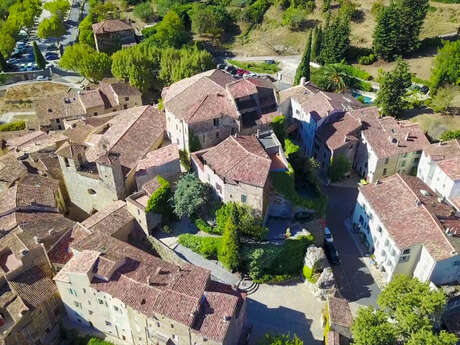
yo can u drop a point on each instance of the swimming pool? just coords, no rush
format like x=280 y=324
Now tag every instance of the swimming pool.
x=367 y=99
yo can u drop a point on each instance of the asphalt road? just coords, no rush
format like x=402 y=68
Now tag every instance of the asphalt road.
x=353 y=278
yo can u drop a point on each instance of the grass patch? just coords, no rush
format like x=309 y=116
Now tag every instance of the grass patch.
x=256 y=67
x=205 y=246
x=436 y=124
x=13 y=126
x=284 y=183
x=447 y=1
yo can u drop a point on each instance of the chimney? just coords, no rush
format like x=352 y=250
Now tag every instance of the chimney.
x=418 y=203
x=258 y=133
x=302 y=81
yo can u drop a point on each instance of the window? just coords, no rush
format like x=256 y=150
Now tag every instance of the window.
x=115 y=308
x=379 y=229
x=215 y=122
x=107 y=323
x=125 y=106
x=66 y=162
x=72 y=292
x=243 y=198
x=95 y=113
x=84 y=290
x=89 y=302
x=384 y=171
x=158 y=324
x=218 y=188
x=172 y=326
x=403 y=163
x=126 y=98
x=58 y=120
x=361 y=220
x=406 y=251
x=77 y=304
x=217 y=135
x=91 y=191
x=100 y=301
x=404 y=258
x=90 y=312
x=386 y=160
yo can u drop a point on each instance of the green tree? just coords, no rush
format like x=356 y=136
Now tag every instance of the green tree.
x=190 y=197
x=85 y=60
x=279 y=127
x=426 y=337
x=3 y=65
x=163 y=6
x=7 y=43
x=333 y=78
x=210 y=20
x=50 y=27
x=58 y=8
x=335 y=40
x=398 y=28
x=160 y=200
x=281 y=339
x=170 y=32
x=316 y=44
x=39 y=59
x=442 y=99
x=339 y=168
x=85 y=31
x=450 y=135
x=446 y=65
x=393 y=87
x=294 y=18
x=371 y=327
x=143 y=10
x=228 y=252
x=303 y=70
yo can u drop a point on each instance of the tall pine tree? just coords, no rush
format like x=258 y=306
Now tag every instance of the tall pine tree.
x=303 y=70
x=335 y=40
x=39 y=59
x=316 y=44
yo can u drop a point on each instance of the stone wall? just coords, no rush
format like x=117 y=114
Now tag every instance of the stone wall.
x=165 y=252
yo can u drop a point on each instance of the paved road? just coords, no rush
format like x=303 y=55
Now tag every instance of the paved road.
x=353 y=277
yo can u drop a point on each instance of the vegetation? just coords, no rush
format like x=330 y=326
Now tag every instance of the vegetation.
x=39 y=59
x=191 y=196
x=194 y=142
x=3 y=64
x=58 y=8
x=408 y=312
x=398 y=28
x=450 y=135
x=143 y=10
x=303 y=70
x=281 y=339
x=255 y=12
x=211 y=20
x=393 y=86
x=442 y=99
x=256 y=67
x=205 y=246
x=290 y=149
x=294 y=18
x=339 y=168
x=316 y=44
x=445 y=66
x=335 y=40
x=339 y=76
x=51 y=27
x=228 y=252
x=85 y=30
x=279 y=127
x=12 y=126
x=160 y=200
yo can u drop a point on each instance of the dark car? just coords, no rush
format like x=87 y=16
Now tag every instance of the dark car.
x=230 y=68
x=331 y=253
x=270 y=61
x=233 y=72
x=424 y=89
x=303 y=216
x=52 y=56
x=221 y=66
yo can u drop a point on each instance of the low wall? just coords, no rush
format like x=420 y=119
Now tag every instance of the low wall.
x=165 y=252
x=14 y=77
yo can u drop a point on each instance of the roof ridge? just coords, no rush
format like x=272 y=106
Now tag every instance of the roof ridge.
x=198 y=107
x=251 y=153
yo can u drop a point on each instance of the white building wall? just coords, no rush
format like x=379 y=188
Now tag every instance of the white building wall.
x=446 y=271
x=424 y=266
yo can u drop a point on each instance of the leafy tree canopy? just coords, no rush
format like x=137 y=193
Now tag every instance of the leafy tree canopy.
x=210 y=20
x=339 y=168
x=57 y=7
x=446 y=65
x=450 y=135
x=190 y=197
x=281 y=339
x=335 y=40
x=51 y=27
x=228 y=252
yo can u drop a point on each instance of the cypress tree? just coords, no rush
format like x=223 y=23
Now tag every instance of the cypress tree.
x=39 y=59
x=303 y=70
x=3 y=65
x=335 y=40
x=316 y=44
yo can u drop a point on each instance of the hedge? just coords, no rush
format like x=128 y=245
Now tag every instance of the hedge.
x=205 y=246
x=205 y=227
x=13 y=126
x=159 y=201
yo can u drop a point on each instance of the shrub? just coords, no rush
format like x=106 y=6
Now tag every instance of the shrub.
x=143 y=10
x=229 y=251
x=294 y=18
x=159 y=201
x=290 y=148
x=205 y=246
x=255 y=12
x=307 y=272
x=205 y=227
x=279 y=127
x=191 y=196
x=367 y=60
x=257 y=67
x=149 y=31
x=185 y=160
x=450 y=135
x=13 y=126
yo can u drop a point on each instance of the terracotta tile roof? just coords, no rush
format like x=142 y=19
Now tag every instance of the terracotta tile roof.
x=240 y=159
x=61 y=252
x=33 y=287
x=323 y=103
x=188 y=98
x=339 y=312
x=130 y=136
x=110 y=219
x=300 y=93
x=451 y=167
x=59 y=106
x=159 y=157
x=26 y=138
x=242 y=88
x=11 y=169
x=443 y=150
x=151 y=186
x=388 y=137
x=410 y=217
x=111 y=25
x=333 y=338
x=339 y=130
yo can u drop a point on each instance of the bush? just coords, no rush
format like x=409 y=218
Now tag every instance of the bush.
x=229 y=250
x=450 y=135
x=13 y=126
x=205 y=246
x=205 y=227
x=256 y=67
x=255 y=12
x=143 y=10
x=361 y=99
x=307 y=272
x=290 y=149
x=185 y=160
x=159 y=201
x=294 y=18
x=367 y=60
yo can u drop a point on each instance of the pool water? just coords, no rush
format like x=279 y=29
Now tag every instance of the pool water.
x=367 y=100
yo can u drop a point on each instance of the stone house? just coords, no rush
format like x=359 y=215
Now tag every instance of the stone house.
x=111 y=35
x=35 y=141
x=108 y=285
x=108 y=97
x=309 y=108
x=439 y=168
x=208 y=107
x=11 y=170
x=238 y=168
x=339 y=317
x=164 y=162
x=409 y=230
x=102 y=169
x=387 y=146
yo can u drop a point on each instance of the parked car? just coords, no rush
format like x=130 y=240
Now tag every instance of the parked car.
x=241 y=72
x=270 y=61
x=233 y=72
x=28 y=58
x=29 y=66
x=328 y=235
x=230 y=68
x=43 y=77
x=22 y=67
x=331 y=253
x=51 y=56
x=303 y=216
x=221 y=66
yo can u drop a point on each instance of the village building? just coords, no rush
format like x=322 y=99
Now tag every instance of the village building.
x=238 y=168
x=35 y=141
x=102 y=168
x=408 y=230
x=112 y=34
x=310 y=108
x=110 y=286
x=439 y=168
x=206 y=108
x=108 y=97
x=11 y=170
x=387 y=146
x=339 y=320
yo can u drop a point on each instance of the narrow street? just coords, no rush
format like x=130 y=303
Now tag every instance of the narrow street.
x=353 y=277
